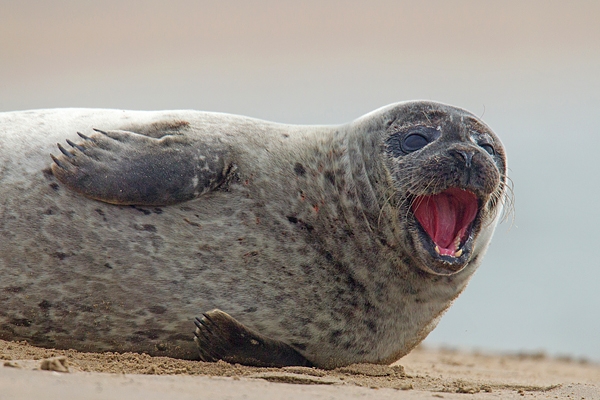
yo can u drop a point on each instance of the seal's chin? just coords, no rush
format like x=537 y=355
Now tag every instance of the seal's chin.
x=446 y=220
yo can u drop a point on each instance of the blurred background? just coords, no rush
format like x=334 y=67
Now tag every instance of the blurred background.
x=530 y=69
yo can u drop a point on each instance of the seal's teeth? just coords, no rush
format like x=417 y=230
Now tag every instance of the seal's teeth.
x=457 y=242
x=458 y=253
x=437 y=249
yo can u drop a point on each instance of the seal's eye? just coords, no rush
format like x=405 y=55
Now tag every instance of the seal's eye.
x=412 y=139
x=414 y=142
x=489 y=148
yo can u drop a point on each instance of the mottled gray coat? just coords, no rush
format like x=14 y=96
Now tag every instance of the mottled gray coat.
x=295 y=231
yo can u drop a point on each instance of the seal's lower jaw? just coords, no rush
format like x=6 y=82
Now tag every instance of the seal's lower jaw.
x=446 y=228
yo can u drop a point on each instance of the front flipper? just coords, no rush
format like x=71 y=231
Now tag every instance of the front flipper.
x=220 y=337
x=127 y=168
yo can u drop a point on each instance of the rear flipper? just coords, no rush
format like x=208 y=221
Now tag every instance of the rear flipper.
x=128 y=168
x=221 y=337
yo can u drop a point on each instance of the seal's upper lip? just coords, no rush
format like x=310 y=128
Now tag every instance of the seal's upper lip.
x=446 y=218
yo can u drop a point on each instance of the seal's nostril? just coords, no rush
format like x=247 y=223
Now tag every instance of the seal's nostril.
x=467 y=156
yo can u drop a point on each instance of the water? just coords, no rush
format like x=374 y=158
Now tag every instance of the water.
x=531 y=69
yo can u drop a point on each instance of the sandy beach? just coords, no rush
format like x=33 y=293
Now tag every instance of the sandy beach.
x=30 y=372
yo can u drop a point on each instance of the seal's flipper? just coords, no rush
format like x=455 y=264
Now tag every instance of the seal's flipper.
x=220 y=337
x=128 y=168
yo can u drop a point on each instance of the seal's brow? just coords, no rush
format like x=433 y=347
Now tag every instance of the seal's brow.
x=476 y=125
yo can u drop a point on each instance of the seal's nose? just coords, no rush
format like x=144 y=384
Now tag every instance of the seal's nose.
x=465 y=155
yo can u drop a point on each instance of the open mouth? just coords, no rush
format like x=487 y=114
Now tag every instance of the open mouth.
x=447 y=218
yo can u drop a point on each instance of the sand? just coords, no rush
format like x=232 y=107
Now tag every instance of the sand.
x=30 y=372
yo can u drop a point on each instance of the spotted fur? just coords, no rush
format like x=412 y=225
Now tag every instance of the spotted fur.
x=299 y=233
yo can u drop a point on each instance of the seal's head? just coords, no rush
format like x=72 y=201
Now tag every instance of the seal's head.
x=448 y=170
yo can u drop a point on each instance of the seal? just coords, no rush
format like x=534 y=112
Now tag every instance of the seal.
x=293 y=245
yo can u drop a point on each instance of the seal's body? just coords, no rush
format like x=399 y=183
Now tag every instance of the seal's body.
x=317 y=239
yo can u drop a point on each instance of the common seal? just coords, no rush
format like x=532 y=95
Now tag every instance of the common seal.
x=312 y=245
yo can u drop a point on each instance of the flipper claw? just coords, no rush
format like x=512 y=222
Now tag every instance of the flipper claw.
x=76 y=146
x=58 y=162
x=65 y=151
x=101 y=131
x=84 y=137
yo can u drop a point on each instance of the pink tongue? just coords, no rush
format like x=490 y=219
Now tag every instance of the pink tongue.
x=446 y=215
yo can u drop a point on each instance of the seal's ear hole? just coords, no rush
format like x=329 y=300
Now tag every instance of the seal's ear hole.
x=489 y=148
x=413 y=142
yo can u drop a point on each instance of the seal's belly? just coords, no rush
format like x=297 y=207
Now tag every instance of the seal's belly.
x=83 y=274
x=78 y=273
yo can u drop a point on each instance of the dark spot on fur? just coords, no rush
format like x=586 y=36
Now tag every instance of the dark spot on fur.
x=410 y=289
x=84 y=308
x=61 y=256
x=307 y=269
x=330 y=177
x=146 y=228
x=293 y=220
x=322 y=325
x=20 y=322
x=48 y=173
x=335 y=336
x=372 y=326
x=150 y=228
x=99 y=211
x=14 y=289
x=54 y=186
x=158 y=211
x=157 y=309
x=45 y=304
x=142 y=210
x=285 y=135
x=228 y=211
x=192 y=223
x=107 y=265
x=49 y=212
x=299 y=169
x=250 y=309
x=305 y=226
x=348 y=288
